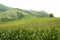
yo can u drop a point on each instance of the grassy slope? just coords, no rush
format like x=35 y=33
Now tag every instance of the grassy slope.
x=27 y=15
x=39 y=13
x=14 y=12
x=32 y=24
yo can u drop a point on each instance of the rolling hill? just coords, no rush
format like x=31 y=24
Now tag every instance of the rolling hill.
x=39 y=14
x=7 y=14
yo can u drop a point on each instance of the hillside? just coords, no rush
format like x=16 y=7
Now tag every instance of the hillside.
x=3 y=8
x=39 y=14
x=14 y=14
x=9 y=14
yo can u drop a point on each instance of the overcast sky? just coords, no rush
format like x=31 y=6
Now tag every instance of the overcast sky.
x=50 y=6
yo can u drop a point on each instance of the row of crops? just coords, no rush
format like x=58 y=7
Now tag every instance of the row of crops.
x=52 y=34
x=34 y=29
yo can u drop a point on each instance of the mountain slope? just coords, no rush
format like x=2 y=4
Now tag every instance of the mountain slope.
x=39 y=13
x=3 y=8
x=9 y=14
x=14 y=14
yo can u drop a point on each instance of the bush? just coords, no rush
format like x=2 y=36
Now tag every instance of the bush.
x=51 y=15
x=19 y=15
x=4 y=19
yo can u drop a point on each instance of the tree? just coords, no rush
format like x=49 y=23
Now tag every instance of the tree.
x=19 y=15
x=4 y=19
x=51 y=15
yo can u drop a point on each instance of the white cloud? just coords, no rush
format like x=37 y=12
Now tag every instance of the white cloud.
x=52 y=6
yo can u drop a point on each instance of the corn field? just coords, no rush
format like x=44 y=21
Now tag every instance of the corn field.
x=31 y=29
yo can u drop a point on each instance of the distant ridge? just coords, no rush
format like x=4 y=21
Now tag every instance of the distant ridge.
x=3 y=8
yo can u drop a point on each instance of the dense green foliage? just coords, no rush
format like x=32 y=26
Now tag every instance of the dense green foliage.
x=51 y=15
x=31 y=29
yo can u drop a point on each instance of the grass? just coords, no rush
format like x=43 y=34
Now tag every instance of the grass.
x=31 y=29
